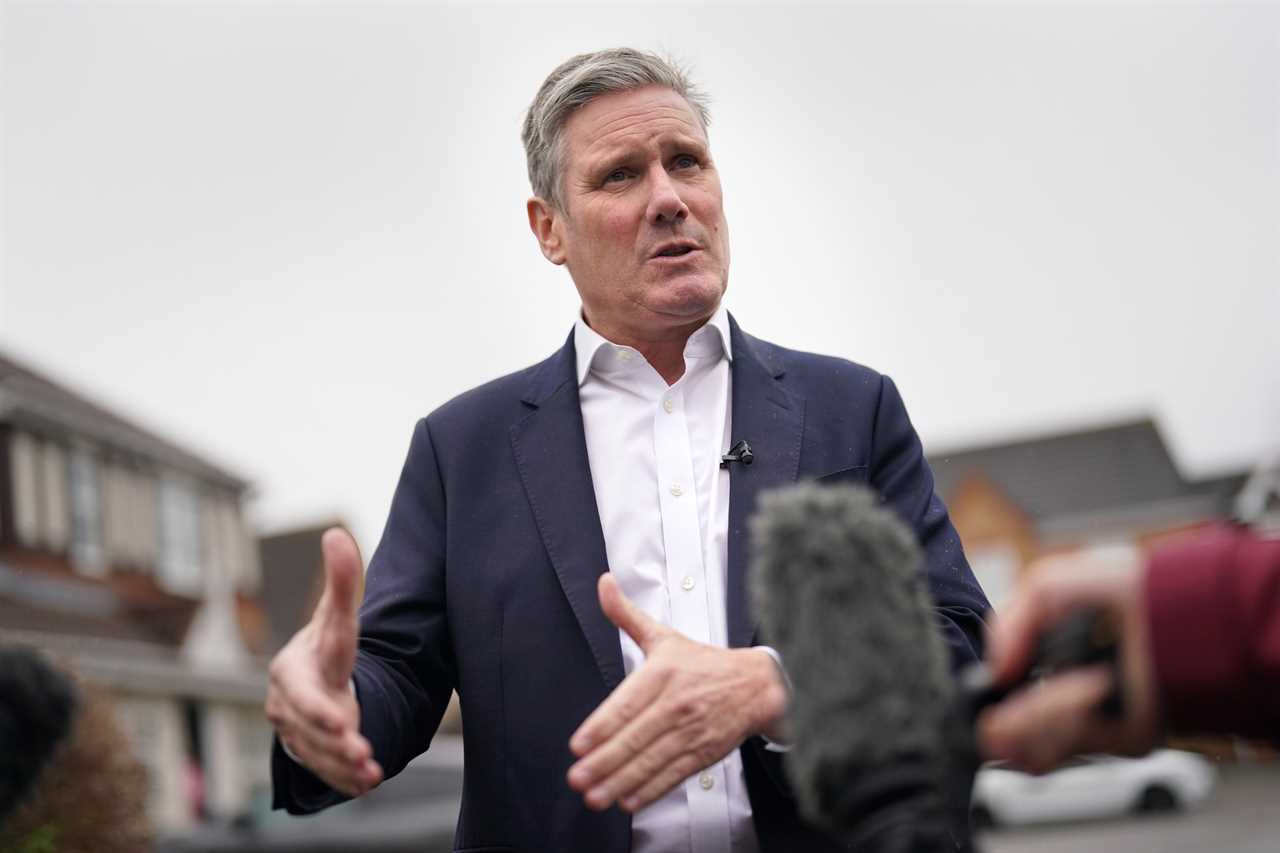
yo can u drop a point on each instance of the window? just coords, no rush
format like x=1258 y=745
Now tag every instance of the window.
x=54 y=513
x=228 y=545
x=180 y=536
x=24 y=455
x=41 y=514
x=117 y=515
x=86 y=513
x=128 y=517
x=144 y=510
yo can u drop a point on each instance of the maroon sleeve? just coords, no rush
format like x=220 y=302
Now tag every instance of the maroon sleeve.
x=1214 y=609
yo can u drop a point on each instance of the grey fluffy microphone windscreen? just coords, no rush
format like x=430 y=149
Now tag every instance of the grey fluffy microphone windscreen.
x=884 y=753
x=838 y=589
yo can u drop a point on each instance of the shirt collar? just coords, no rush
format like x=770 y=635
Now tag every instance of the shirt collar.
x=710 y=340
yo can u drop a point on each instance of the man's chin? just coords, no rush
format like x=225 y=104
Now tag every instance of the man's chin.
x=690 y=311
x=689 y=297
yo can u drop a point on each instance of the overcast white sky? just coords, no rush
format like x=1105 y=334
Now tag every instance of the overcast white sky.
x=280 y=233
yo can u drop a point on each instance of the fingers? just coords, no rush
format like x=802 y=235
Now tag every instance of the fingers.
x=1011 y=637
x=1040 y=726
x=685 y=717
x=342 y=754
x=1055 y=588
x=659 y=785
x=335 y=623
x=351 y=778
x=319 y=723
x=300 y=705
x=632 y=747
x=636 y=777
x=323 y=736
x=626 y=616
x=626 y=703
x=345 y=760
x=342 y=571
x=684 y=709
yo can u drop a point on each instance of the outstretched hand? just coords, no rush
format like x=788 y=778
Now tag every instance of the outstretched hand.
x=685 y=708
x=309 y=698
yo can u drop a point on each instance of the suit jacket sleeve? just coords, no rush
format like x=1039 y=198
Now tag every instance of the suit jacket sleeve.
x=404 y=670
x=901 y=475
x=1213 y=605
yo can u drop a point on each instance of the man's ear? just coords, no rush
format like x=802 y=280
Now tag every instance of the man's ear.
x=544 y=222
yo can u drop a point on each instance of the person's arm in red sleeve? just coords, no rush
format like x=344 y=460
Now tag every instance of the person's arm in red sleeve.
x=1213 y=605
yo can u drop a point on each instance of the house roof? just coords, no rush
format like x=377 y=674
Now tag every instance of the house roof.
x=30 y=398
x=1104 y=470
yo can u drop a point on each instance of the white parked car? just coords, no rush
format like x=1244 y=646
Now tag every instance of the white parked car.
x=1092 y=787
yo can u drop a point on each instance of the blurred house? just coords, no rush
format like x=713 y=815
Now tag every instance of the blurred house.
x=1112 y=488
x=128 y=556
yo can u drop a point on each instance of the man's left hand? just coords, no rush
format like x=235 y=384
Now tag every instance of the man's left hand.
x=685 y=708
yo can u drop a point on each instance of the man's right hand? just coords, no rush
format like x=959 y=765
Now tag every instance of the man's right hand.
x=310 y=700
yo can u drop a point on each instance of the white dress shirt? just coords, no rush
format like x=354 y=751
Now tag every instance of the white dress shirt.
x=663 y=500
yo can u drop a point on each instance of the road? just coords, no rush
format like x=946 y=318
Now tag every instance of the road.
x=1241 y=816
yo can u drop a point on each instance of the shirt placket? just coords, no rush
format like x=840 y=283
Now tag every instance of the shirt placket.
x=707 y=792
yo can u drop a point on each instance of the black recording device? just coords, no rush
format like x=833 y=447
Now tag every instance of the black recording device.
x=740 y=452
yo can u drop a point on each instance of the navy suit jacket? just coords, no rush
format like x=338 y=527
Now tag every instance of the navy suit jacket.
x=485 y=582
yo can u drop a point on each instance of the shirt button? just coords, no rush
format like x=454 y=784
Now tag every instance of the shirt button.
x=687 y=583
x=668 y=406
x=676 y=491
x=706 y=781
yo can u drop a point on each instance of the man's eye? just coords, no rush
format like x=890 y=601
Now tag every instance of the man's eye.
x=686 y=161
x=615 y=176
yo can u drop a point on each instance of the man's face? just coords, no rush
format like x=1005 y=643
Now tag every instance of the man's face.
x=642 y=230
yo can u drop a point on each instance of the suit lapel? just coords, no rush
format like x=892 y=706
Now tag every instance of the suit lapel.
x=772 y=421
x=551 y=454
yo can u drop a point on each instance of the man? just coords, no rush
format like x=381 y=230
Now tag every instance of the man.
x=571 y=524
x=1200 y=637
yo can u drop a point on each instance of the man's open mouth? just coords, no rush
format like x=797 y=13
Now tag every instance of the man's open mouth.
x=675 y=250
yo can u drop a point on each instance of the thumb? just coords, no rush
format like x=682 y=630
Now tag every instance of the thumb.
x=625 y=615
x=335 y=615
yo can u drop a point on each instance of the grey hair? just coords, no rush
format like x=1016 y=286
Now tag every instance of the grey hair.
x=575 y=84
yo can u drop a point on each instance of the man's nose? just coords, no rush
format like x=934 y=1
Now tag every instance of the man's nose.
x=665 y=203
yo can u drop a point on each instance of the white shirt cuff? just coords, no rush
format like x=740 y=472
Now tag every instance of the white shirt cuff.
x=770 y=745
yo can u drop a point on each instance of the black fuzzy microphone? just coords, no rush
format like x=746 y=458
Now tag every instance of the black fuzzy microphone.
x=36 y=708
x=837 y=586
x=884 y=752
